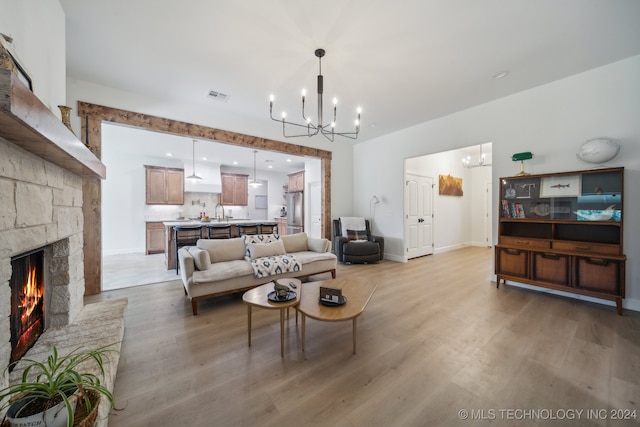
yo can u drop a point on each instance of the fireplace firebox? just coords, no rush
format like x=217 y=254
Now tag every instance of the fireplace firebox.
x=27 y=283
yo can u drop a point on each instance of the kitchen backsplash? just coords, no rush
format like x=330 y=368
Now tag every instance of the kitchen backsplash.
x=194 y=203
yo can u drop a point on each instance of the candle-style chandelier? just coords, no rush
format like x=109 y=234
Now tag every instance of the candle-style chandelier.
x=327 y=130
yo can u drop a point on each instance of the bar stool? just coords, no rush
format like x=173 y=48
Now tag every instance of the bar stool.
x=248 y=228
x=220 y=231
x=185 y=235
x=269 y=227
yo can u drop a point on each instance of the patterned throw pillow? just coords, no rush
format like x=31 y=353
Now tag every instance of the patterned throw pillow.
x=257 y=238
x=357 y=234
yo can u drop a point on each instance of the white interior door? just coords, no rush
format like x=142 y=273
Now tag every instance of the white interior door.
x=418 y=199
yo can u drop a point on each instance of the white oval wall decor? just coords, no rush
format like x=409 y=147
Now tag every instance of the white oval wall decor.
x=598 y=150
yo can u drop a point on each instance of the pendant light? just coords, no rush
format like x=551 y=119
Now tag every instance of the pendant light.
x=254 y=182
x=193 y=176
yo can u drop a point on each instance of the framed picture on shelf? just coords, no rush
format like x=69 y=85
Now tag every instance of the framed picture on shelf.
x=560 y=186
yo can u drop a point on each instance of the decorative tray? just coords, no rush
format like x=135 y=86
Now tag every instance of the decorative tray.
x=330 y=303
x=291 y=295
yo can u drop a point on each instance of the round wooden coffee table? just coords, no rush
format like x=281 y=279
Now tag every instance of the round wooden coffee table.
x=357 y=291
x=258 y=297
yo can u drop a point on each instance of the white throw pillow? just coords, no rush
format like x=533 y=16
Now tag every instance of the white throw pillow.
x=257 y=238
x=260 y=250
x=221 y=250
x=201 y=258
x=295 y=242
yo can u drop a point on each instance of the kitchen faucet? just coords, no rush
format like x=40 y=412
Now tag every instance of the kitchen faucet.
x=215 y=211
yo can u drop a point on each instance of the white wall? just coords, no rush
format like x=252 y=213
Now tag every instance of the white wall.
x=38 y=31
x=124 y=208
x=480 y=179
x=551 y=121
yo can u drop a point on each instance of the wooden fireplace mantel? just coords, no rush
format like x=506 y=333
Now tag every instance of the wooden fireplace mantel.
x=28 y=123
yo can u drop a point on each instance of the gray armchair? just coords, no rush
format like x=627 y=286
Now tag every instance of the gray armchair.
x=349 y=251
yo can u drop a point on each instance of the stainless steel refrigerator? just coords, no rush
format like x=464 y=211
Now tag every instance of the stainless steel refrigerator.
x=295 y=212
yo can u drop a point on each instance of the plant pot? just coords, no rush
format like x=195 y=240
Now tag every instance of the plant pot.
x=83 y=417
x=52 y=417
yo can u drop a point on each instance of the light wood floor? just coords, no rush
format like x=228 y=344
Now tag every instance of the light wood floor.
x=437 y=338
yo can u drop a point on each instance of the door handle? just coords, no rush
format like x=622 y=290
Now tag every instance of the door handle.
x=420 y=219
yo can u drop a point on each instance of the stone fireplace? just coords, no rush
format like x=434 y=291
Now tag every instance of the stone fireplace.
x=44 y=168
x=41 y=208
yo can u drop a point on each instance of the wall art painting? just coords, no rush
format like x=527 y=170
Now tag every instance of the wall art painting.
x=449 y=185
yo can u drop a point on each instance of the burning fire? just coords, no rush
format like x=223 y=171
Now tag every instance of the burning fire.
x=30 y=296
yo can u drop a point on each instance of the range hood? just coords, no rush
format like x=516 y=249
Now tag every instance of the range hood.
x=210 y=174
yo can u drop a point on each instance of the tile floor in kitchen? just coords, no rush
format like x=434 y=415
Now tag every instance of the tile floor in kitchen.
x=134 y=269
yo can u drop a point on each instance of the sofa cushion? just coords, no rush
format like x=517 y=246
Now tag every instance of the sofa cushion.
x=295 y=242
x=308 y=257
x=361 y=248
x=257 y=238
x=219 y=272
x=200 y=258
x=223 y=249
x=260 y=250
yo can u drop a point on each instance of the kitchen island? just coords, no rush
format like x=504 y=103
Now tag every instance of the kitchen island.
x=170 y=248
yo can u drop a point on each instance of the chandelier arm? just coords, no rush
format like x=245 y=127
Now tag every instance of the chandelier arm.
x=305 y=125
x=308 y=134
x=351 y=135
x=328 y=135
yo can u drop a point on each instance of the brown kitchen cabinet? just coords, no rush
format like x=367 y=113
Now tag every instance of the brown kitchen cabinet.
x=155 y=237
x=235 y=189
x=164 y=186
x=563 y=231
x=296 y=182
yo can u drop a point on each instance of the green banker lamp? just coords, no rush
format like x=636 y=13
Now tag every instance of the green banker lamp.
x=521 y=157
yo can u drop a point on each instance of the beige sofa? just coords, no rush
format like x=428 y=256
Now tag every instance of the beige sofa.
x=217 y=267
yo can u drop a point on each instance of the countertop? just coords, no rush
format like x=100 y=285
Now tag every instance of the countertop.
x=174 y=222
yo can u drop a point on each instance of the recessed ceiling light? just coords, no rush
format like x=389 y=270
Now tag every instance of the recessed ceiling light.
x=500 y=75
x=289 y=160
x=169 y=154
x=235 y=163
x=372 y=125
x=270 y=166
x=204 y=158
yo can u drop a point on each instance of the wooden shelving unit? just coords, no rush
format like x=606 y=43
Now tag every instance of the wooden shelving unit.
x=28 y=123
x=564 y=231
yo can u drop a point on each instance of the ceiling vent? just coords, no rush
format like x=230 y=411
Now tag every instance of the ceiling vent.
x=218 y=96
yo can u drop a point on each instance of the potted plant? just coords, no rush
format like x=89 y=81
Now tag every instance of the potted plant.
x=50 y=390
